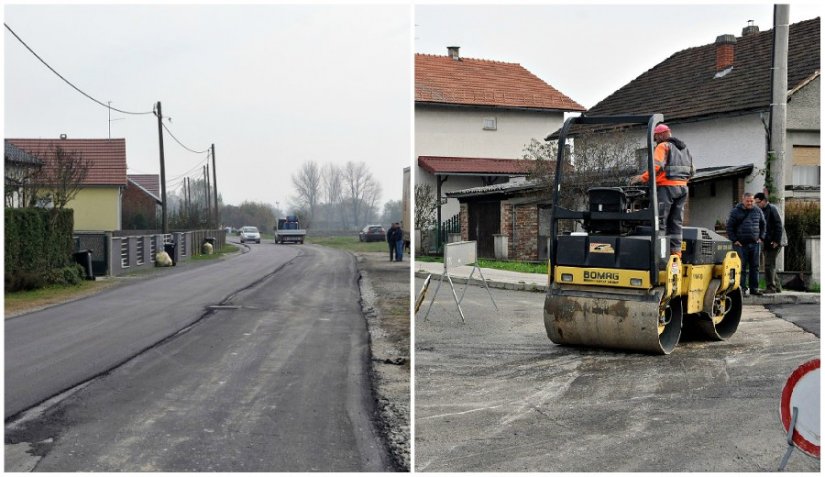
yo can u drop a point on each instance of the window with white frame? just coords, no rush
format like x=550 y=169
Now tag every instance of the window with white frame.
x=806 y=165
x=490 y=124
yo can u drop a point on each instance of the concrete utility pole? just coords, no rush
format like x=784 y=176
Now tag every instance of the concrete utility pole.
x=164 y=226
x=215 y=189
x=779 y=111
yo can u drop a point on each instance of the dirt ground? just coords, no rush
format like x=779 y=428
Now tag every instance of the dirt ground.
x=385 y=294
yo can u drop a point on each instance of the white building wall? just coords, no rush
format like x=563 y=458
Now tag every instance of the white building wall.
x=460 y=132
x=728 y=142
x=706 y=210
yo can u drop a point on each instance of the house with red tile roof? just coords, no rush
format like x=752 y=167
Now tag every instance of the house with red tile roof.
x=717 y=98
x=97 y=206
x=473 y=119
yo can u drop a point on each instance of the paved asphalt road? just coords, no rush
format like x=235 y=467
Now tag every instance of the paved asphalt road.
x=276 y=380
x=496 y=395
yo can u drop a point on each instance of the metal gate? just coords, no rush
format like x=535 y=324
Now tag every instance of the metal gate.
x=484 y=221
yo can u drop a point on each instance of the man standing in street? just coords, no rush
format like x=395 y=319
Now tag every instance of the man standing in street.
x=773 y=241
x=746 y=229
x=391 y=241
x=399 y=242
x=674 y=166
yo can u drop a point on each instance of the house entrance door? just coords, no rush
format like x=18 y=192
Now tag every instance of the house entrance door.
x=484 y=220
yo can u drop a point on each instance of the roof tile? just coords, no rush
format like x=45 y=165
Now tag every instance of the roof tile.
x=471 y=165
x=473 y=82
x=107 y=157
x=684 y=85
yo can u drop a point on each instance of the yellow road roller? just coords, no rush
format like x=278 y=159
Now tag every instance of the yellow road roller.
x=612 y=282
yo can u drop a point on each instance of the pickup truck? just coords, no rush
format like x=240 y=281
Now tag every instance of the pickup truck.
x=289 y=230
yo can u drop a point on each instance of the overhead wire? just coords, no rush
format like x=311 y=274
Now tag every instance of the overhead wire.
x=177 y=180
x=199 y=164
x=108 y=106
x=180 y=143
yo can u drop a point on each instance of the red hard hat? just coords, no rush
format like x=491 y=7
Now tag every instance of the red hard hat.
x=662 y=127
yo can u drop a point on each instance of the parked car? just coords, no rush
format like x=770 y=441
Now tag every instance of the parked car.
x=372 y=233
x=250 y=234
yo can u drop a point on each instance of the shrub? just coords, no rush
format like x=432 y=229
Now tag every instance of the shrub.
x=24 y=280
x=38 y=246
x=801 y=221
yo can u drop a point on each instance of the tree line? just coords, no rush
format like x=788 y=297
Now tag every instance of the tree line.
x=333 y=197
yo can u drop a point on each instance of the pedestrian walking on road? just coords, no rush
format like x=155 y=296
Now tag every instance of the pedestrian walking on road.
x=746 y=229
x=391 y=241
x=399 y=242
x=674 y=166
x=773 y=242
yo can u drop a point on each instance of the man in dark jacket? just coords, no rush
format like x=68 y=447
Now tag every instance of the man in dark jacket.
x=391 y=241
x=773 y=241
x=399 y=242
x=746 y=229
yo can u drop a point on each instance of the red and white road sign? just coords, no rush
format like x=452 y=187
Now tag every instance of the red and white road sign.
x=801 y=391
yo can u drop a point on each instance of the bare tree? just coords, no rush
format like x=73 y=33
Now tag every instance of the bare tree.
x=20 y=185
x=307 y=182
x=360 y=188
x=333 y=190
x=60 y=179
x=601 y=159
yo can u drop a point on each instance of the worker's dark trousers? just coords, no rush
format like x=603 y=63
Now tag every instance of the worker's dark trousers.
x=749 y=254
x=672 y=200
x=771 y=277
x=392 y=250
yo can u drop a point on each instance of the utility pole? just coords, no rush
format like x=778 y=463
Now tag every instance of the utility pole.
x=779 y=112
x=206 y=190
x=208 y=198
x=164 y=224
x=215 y=188
x=189 y=201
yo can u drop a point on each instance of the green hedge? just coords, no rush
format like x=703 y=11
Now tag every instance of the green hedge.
x=801 y=221
x=37 y=242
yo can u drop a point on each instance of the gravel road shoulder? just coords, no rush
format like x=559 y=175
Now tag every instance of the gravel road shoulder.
x=385 y=295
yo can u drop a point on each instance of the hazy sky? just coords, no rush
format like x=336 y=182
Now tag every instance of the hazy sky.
x=274 y=85
x=587 y=51
x=270 y=85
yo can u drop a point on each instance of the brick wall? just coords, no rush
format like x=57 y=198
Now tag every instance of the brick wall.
x=135 y=203
x=526 y=232
x=522 y=236
x=505 y=227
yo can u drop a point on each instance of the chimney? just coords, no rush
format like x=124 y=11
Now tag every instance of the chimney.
x=452 y=51
x=750 y=29
x=725 y=46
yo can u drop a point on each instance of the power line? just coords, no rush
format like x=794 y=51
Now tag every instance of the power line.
x=199 y=164
x=181 y=144
x=67 y=81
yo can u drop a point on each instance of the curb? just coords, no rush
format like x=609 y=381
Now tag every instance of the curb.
x=786 y=298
